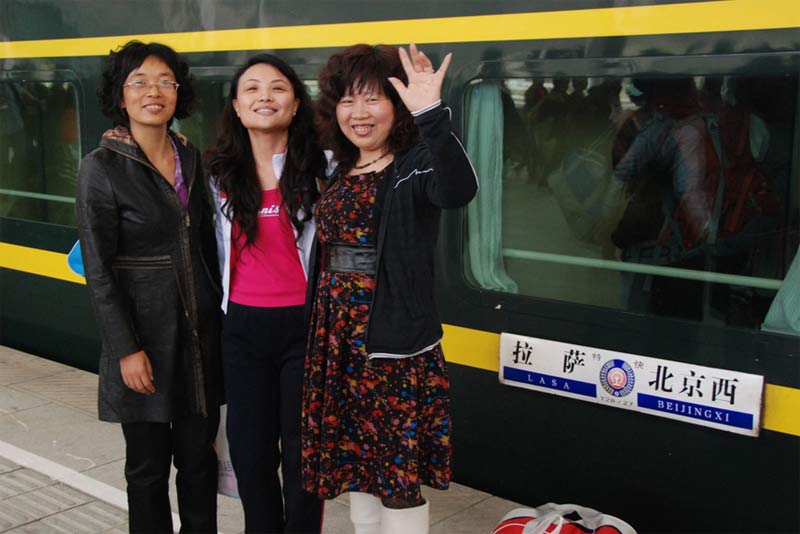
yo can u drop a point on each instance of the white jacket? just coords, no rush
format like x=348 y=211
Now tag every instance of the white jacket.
x=223 y=227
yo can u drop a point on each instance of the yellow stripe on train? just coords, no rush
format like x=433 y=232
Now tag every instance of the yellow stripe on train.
x=463 y=346
x=37 y=261
x=692 y=17
x=477 y=348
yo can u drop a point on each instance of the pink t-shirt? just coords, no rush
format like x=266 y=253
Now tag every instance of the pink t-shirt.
x=268 y=273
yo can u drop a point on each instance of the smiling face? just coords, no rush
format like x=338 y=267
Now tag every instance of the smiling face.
x=151 y=105
x=265 y=99
x=366 y=118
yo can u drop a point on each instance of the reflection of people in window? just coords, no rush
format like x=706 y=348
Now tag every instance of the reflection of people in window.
x=18 y=127
x=606 y=95
x=633 y=155
x=545 y=123
x=581 y=183
x=575 y=97
x=674 y=140
x=668 y=163
x=62 y=155
x=533 y=95
x=12 y=128
x=516 y=144
x=749 y=242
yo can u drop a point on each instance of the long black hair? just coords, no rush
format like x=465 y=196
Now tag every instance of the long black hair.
x=232 y=164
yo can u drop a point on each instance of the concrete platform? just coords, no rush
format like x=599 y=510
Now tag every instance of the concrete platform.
x=61 y=470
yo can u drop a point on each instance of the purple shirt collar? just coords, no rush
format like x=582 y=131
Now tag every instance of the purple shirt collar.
x=180 y=183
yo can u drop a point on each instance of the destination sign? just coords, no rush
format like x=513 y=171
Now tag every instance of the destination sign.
x=716 y=398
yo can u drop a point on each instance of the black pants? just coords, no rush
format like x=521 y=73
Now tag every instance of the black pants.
x=263 y=355
x=149 y=450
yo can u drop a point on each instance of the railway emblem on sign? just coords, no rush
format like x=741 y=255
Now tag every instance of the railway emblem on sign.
x=617 y=378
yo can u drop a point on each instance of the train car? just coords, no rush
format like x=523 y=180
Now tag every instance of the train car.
x=596 y=127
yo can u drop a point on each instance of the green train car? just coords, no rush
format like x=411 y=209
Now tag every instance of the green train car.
x=566 y=242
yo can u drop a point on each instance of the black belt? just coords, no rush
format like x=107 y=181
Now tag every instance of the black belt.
x=341 y=258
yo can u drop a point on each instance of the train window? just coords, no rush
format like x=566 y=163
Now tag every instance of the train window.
x=39 y=150
x=670 y=197
x=202 y=125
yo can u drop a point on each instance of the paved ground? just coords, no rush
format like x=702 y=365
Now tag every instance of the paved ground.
x=61 y=470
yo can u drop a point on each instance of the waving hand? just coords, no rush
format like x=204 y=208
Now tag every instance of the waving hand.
x=424 y=84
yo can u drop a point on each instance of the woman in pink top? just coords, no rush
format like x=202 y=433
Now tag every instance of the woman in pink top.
x=265 y=165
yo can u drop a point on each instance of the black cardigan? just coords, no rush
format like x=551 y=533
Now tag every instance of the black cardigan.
x=433 y=174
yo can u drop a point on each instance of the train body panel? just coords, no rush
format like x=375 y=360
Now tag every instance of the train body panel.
x=542 y=266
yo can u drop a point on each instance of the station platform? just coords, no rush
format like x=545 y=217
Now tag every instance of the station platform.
x=62 y=470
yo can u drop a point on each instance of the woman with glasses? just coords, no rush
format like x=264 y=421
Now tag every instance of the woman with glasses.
x=146 y=230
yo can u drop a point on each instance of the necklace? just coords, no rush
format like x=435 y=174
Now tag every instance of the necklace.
x=376 y=160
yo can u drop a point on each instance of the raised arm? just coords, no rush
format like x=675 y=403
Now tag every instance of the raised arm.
x=447 y=178
x=424 y=87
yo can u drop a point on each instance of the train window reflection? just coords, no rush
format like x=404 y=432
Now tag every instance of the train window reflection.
x=39 y=150
x=669 y=197
x=202 y=125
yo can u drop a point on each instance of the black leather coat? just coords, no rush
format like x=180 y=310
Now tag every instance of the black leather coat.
x=153 y=279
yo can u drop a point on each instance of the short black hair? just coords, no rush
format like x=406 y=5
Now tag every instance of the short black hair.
x=120 y=63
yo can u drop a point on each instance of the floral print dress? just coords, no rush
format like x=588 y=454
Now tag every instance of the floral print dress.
x=378 y=426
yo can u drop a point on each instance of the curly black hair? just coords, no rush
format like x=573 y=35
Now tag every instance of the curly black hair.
x=120 y=63
x=231 y=163
x=353 y=69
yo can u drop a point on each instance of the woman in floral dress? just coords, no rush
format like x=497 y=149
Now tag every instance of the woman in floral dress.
x=376 y=417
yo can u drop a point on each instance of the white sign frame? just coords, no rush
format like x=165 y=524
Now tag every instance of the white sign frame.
x=715 y=398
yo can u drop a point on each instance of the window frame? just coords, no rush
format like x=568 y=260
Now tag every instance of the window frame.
x=54 y=76
x=616 y=329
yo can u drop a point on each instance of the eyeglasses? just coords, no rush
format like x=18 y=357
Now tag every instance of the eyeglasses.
x=139 y=85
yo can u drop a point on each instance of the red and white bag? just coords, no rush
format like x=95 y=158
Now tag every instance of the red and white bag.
x=554 y=518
